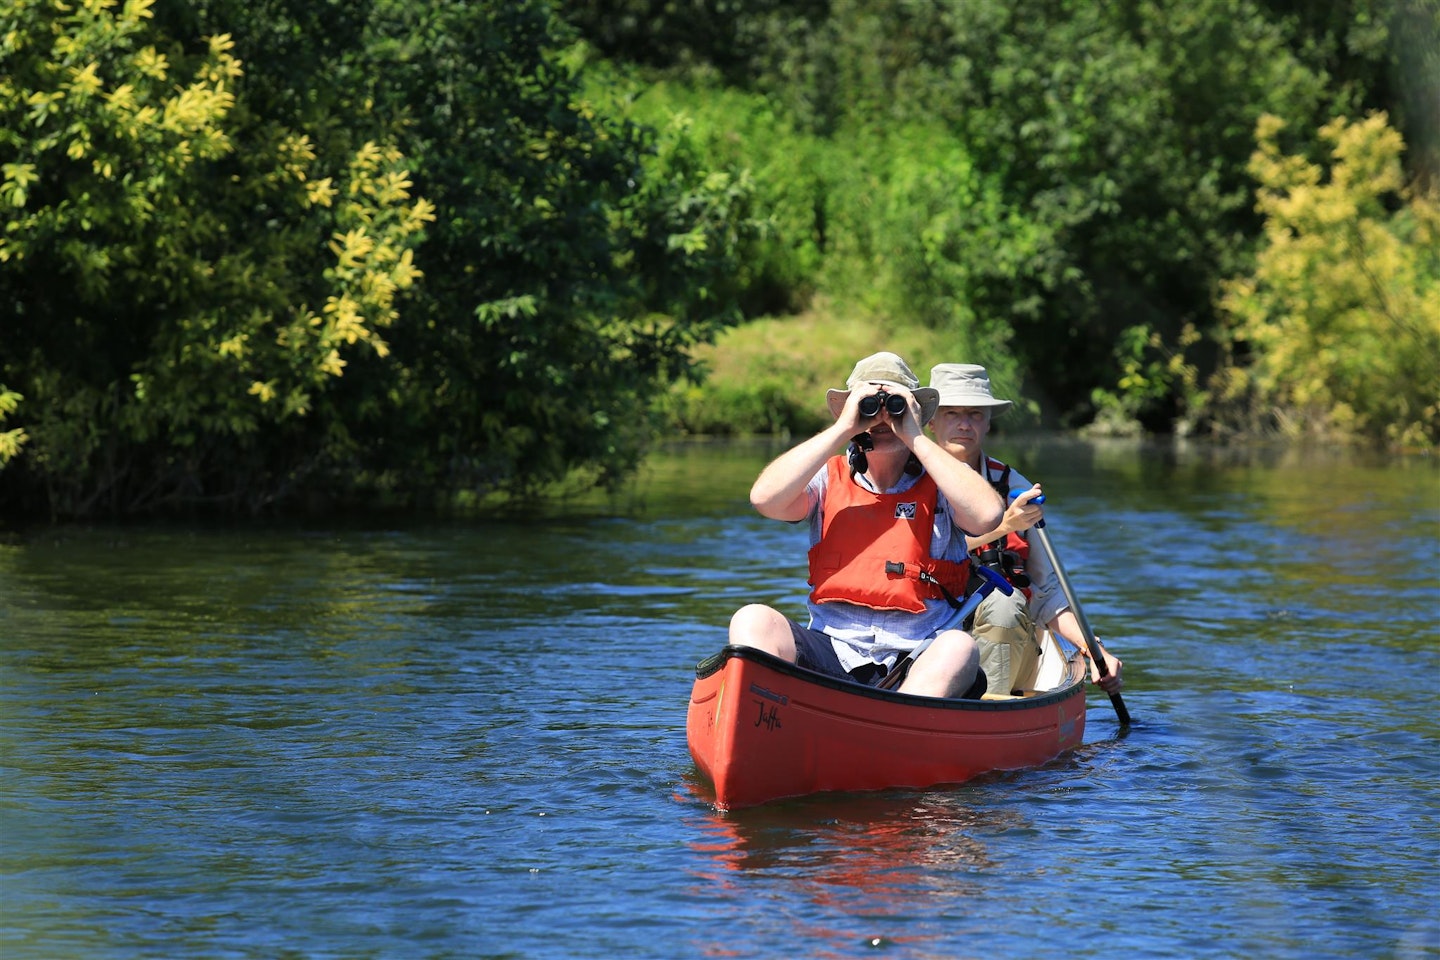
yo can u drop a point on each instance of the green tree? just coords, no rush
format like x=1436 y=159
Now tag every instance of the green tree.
x=1377 y=55
x=186 y=281
x=403 y=257
x=574 y=262
x=1338 y=328
x=1094 y=154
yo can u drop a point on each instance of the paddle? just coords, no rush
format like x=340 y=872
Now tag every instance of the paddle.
x=1090 y=642
x=992 y=581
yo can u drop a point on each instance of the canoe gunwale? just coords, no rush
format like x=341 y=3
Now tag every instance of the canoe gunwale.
x=716 y=662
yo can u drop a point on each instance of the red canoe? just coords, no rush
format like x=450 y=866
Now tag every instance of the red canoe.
x=760 y=729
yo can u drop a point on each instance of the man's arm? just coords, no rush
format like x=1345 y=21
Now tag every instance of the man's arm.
x=975 y=504
x=779 y=491
x=1021 y=515
x=1065 y=624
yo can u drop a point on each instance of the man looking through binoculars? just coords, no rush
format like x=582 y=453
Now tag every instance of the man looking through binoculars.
x=897 y=501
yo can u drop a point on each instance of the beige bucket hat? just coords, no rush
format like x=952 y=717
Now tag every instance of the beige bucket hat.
x=885 y=368
x=965 y=385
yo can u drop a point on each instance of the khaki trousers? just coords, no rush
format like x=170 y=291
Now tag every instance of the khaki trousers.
x=1009 y=650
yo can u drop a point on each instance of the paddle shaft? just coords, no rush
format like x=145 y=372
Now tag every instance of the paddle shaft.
x=1094 y=645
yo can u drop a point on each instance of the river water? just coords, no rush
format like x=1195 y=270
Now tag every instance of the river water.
x=466 y=739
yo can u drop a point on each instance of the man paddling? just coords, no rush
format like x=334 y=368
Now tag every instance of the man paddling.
x=1005 y=625
x=881 y=521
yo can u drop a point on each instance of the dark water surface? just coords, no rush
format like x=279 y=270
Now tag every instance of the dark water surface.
x=467 y=739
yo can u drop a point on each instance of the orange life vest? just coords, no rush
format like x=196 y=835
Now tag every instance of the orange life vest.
x=874 y=548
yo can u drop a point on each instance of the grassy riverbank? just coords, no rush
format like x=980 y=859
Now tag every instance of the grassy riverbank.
x=770 y=376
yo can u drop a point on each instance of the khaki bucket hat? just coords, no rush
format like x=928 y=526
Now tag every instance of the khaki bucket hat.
x=890 y=369
x=965 y=385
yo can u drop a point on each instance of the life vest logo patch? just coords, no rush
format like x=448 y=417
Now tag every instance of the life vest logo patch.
x=905 y=511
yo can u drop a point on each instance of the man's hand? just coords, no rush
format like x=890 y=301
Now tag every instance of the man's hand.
x=1023 y=513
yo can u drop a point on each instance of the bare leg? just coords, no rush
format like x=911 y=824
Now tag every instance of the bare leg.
x=947 y=668
x=764 y=628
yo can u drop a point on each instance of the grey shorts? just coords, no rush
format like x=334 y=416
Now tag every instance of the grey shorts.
x=815 y=651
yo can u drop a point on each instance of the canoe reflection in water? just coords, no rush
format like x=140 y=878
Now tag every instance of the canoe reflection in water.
x=882 y=861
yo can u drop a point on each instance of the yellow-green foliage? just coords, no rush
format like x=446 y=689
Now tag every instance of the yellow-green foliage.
x=83 y=93
x=376 y=227
x=1342 y=314
x=10 y=440
x=219 y=267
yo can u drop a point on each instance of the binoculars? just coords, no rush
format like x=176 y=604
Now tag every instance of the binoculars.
x=1003 y=561
x=894 y=404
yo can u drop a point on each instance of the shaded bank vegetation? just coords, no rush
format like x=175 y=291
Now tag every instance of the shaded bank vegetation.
x=1071 y=193
x=260 y=255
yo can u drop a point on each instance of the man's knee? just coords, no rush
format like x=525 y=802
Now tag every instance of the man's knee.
x=764 y=628
x=999 y=612
x=995 y=659
x=947 y=669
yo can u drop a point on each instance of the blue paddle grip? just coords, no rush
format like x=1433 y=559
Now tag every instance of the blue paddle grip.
x=995 y=578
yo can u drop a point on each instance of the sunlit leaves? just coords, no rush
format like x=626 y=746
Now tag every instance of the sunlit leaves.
x=10 y=440
x=292 y=352
x=182 y=242
x=1341 y=318
x=83 y=86
x=17 y=180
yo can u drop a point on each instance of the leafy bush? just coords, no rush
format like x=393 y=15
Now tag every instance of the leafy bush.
x=301 y=252
x=789 y=172
x=187 y=281
x=1338 y=328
